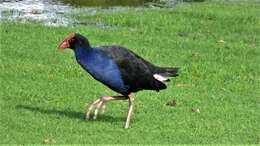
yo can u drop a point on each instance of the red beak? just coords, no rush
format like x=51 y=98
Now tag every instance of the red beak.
x=64 y=45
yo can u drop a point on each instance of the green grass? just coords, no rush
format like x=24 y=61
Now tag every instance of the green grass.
x=216 y=45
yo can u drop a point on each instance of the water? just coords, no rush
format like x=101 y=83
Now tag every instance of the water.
x=103 y=3
x=38 y=10
x=51 y=12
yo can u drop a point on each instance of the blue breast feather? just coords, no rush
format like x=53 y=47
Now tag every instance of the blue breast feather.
x=101 y=67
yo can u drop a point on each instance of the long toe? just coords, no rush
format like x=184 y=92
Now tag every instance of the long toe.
x=92 y=112
x=87 y=115
x=103 y=107
x=91 y=108
x=88 y=111
x=99 y=105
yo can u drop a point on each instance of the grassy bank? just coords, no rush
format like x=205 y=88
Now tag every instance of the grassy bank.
x=216 y=45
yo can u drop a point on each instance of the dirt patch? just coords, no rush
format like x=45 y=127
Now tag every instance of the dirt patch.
x=182 y=85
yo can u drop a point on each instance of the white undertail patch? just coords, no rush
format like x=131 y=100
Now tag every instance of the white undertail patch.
x=160 y=78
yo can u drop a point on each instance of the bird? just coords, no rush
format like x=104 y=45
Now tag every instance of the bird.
x=118 y=68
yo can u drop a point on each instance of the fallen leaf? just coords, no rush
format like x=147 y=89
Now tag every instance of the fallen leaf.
x=195 y=110
x=171 y=103
x=221 y=41
x=49 y=141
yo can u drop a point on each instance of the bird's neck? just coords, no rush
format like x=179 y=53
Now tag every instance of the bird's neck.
x=83 y=47
x=83 y=51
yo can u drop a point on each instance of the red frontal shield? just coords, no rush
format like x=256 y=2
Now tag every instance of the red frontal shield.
x=65 y=43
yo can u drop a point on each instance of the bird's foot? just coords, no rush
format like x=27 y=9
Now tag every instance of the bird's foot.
x=94 y=108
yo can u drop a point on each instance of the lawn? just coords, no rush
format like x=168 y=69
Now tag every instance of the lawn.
x=215 y=44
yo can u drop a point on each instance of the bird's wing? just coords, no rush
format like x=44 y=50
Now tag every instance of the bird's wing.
x=136 y=72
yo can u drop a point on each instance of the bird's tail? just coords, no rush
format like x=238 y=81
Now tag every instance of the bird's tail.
x=168 y=71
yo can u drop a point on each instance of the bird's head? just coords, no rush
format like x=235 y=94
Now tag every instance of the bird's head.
x=72 y=40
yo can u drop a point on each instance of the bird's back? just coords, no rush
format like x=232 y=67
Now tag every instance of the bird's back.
x=136 y=72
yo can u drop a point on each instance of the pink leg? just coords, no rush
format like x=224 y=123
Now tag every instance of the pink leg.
x=99 y=103
x=130 y=110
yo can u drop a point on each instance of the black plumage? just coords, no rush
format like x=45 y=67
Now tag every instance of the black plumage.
x=137 y=73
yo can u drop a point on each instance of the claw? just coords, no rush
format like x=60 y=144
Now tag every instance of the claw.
x=103 y=107
x=97 y=109
x=88 y=115
x=88 y=112
x=98 y=106
x=95 y=106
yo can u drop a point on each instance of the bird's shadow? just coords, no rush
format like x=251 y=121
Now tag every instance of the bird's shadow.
x=70 y=114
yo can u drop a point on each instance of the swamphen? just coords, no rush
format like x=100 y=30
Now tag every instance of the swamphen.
x=118 y=68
